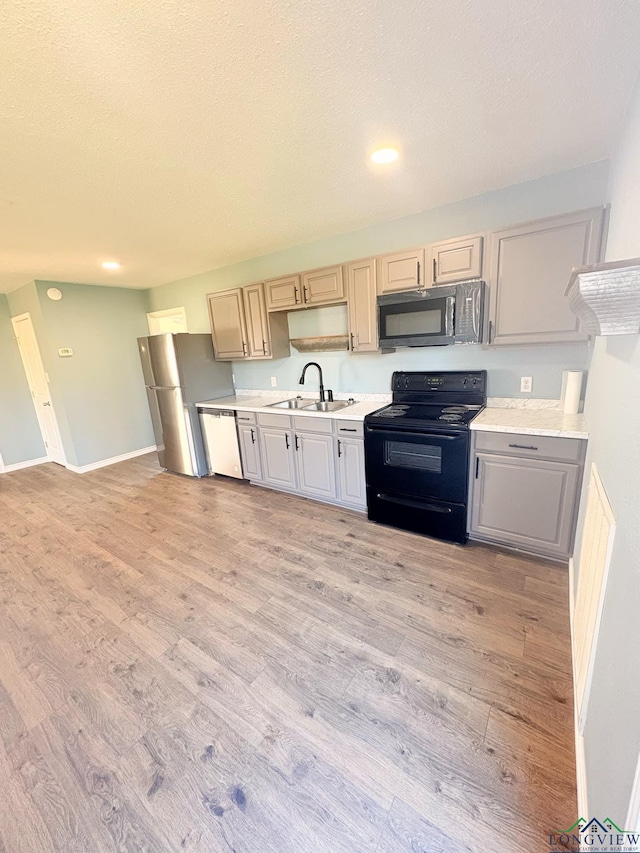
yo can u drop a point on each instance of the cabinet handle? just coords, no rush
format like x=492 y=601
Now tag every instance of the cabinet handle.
x=524 y=446
x=435 y=271
x=253 y=436
x=297 y=442
x=304 y=291
x=264 y=347
x=352 y=344
x=286 y=440
x=295 y=294
x=418 y=273
x=339 y=448
x=490 y=331
x=348 y=429
x=477 y=465
x=244 y=348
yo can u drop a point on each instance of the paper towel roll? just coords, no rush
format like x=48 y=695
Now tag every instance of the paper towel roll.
x=571 y=391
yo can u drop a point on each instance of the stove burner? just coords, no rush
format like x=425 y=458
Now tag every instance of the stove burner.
x=395 y=411
x=451 y=417
x=454 y=410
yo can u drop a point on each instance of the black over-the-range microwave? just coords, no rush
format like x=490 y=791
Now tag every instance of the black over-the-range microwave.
x=434 y=316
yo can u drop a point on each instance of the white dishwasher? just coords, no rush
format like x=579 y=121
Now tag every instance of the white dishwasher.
x=221 y=441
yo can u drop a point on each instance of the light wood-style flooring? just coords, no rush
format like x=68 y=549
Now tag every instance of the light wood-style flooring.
x=209 y=666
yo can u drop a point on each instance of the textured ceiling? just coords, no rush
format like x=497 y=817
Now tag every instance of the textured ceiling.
x=180 y=135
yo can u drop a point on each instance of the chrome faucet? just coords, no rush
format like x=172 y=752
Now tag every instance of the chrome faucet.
x=322 y=394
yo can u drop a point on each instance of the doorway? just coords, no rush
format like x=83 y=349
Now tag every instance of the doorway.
x=39 y=387
x=169 y=320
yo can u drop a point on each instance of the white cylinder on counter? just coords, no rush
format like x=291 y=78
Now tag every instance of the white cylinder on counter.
x=571 y=391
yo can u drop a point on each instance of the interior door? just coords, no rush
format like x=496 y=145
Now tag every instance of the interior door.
x=39 y=387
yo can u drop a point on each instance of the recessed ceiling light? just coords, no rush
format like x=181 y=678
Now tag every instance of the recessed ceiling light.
x=385 y=155
x=111 y=265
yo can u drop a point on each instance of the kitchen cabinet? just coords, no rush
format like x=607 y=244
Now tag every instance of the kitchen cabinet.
x=525 y=492
x=250 y=451
x=241 y=328
x=283 y=294
x=315 y=465
x=361 y=300
x=455 y=260
x=530 y=267
x=278 y=457
x=323 y=287
x=401 y=271
x=352 y=488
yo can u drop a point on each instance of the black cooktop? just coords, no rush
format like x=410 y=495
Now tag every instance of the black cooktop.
x=426 y=415
x=433 y=400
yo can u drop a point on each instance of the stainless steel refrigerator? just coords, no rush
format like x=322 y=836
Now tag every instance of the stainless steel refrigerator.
x=180 y=371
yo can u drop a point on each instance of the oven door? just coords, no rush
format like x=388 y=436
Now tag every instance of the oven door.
x=416 y=319
x=432 y=465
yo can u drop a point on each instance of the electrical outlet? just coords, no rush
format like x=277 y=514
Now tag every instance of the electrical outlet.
x=526 y=384
x=274 y=382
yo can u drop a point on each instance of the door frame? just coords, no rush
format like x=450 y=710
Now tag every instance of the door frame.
x=20 y=318
x=166 y=312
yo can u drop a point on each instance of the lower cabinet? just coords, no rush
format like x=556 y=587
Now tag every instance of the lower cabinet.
x=278 y=457
x=525 y=502
x=305 y=455
x=351 y=478
x=250 y=452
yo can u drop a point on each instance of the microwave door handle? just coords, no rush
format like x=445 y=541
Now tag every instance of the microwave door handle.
x=449 y=316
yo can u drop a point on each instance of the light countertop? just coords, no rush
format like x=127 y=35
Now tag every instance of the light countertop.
x=243 y=403
x=524 y=421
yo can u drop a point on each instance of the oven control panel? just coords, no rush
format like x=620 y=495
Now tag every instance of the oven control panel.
x=446 y=381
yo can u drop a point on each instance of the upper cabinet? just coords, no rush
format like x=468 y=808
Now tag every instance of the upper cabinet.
x=241 y=327
x=361 y=300
x=455 y=260
x=322 y=287
x=401 y=271
x=530 y=267
x=316 y=287
x=228 y=327
x=283 y=294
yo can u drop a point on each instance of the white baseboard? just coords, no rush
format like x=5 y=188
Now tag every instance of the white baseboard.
x=581 y=767
x=28 y=464
x=102 y=463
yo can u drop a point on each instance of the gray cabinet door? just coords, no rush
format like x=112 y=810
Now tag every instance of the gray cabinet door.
x=455 y=260
x=525 y=502
x=250 y=452
x=322 y=287
x=228 y=328
x=255 y=310
x=316 y=467
x=351 y=479
x=529 y=272
x=278 y=457
x=361 y=299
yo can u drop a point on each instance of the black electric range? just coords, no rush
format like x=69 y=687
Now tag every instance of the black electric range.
x=417 y=452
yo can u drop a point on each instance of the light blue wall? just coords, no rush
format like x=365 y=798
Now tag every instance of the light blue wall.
x=101 y=385
x=98 y=394
x=20 y=438
x=612 y=408
x=572 y=190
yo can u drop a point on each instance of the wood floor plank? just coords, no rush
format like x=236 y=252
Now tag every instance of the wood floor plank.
x=209 y=666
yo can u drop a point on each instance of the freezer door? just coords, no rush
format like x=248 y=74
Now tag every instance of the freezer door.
x=145 y=359
x=176 y=432
x=164 y=363
x=157 y=424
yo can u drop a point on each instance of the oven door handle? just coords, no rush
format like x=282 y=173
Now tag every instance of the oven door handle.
x=404 y=431
x=449 y=316
x=414 y=504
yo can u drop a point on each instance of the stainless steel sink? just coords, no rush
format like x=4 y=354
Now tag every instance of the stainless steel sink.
x=294 y=403
x=333 y=406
